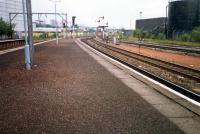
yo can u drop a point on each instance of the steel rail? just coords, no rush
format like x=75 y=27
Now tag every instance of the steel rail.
x=175 y=87
x=172 y=67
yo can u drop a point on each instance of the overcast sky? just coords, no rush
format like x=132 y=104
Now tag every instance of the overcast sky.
x=118 y=13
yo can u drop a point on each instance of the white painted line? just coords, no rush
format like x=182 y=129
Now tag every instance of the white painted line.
x=145 y=77
x=10 y=50
x=22 y=47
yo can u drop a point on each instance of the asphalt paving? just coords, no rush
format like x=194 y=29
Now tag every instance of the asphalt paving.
x=68 y=92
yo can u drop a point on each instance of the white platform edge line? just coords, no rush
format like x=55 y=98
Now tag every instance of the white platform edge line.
x=145 y=77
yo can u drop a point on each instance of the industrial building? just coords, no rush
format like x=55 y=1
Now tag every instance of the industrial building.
x=10 y=6
x=183 y=16
x=153 y=24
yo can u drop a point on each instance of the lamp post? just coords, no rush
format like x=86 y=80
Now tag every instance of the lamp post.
x=65 y=26
x=55 y=1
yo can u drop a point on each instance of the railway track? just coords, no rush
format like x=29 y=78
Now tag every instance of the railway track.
x=8 y=44
x=184 y=49
x=180 y=78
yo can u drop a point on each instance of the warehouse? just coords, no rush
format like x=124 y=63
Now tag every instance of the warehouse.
x=153 y=24
x=184 y=15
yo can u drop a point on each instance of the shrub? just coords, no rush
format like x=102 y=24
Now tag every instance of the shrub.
x=161 y=36
x=185 y=37
x=141 y=34
x=42 y=36
x=196 y=34
x=153 y=36
x=137 y=33
x=54 y=35
x=148 y=35
x=35 y=38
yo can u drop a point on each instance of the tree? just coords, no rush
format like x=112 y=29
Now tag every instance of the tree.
x=6 y=28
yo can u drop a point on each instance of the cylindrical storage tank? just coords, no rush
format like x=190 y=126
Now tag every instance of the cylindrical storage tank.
x=183 y=16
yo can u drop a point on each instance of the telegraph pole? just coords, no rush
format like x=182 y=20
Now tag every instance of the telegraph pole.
x=30 y=29
x=55 y=6
x=66 y=25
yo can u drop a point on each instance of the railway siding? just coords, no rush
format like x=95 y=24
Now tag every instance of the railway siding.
x=183 y=49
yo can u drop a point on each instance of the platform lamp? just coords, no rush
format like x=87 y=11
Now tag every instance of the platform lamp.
x=55 y=1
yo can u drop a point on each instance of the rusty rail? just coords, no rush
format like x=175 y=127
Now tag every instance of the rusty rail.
x=8 y=44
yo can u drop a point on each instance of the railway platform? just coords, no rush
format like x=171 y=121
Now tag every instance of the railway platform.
x=73 y=89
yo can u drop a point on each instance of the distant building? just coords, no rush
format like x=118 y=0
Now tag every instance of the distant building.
x=184 y=15
x=153 y=24
x=44 y=30
x=10 y=6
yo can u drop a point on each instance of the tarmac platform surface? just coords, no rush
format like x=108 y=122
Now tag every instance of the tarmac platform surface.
x=68 y=92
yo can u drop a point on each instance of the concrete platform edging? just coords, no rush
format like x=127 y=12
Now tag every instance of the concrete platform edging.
x=175 y=107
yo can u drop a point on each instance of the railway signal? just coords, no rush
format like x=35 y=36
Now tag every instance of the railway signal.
x=102 y=26
x=64 y=26
x=73 y=22
x=141 y=15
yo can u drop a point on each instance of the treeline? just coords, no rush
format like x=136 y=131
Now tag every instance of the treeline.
x=43 y=36
x=193 y=36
